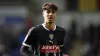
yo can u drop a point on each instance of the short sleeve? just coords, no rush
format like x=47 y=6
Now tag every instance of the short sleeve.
x=30 y=38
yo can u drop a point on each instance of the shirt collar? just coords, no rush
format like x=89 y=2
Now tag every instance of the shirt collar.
x=47 y=28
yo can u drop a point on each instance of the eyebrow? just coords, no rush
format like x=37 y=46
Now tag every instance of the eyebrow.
x=51 y=10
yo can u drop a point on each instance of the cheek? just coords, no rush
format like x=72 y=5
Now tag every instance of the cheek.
x=45 y=15
x=54 y=16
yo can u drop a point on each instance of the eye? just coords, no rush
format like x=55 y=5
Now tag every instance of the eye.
x=53 y=11
x=48 y=11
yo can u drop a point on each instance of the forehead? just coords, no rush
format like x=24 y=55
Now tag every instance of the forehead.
x=50 y=10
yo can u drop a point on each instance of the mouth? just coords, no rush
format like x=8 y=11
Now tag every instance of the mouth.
x=50 y=18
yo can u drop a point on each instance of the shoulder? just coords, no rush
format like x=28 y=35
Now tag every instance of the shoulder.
x=60 y=28
x=35 y=28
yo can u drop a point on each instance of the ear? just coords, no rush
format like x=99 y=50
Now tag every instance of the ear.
x=42 y=14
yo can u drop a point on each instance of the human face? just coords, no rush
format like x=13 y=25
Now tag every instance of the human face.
x=49 y=16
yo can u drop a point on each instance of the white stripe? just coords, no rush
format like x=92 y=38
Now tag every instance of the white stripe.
x=59 y=53
x=47 y=28
x=28 y=33
x=46 y=54
x=26 y=45
x=55 y=54
x=27 y=37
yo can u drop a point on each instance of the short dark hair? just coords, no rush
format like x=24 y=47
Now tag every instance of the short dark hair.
x=51 y=6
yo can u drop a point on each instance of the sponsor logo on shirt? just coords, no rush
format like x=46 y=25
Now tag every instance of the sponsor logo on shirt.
x=49 y=48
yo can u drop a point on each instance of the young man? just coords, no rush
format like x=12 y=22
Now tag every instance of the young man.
x=45 y=34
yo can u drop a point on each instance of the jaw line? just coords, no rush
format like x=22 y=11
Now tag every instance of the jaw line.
x=50 y=22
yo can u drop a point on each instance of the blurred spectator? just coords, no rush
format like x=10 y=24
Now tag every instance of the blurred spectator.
x=91 y=36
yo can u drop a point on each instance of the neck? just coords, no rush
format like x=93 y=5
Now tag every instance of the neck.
x=49 y=25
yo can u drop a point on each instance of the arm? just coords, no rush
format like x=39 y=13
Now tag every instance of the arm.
x=24 y=51
x=29 y=42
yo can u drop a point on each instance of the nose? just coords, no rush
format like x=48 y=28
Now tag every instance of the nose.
x=50 y=13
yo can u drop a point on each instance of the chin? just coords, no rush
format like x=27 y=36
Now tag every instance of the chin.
x=50 y=22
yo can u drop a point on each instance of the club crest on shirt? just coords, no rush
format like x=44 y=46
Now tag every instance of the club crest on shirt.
x=51 y=36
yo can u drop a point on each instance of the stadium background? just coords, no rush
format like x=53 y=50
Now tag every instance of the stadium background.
x=81 y=18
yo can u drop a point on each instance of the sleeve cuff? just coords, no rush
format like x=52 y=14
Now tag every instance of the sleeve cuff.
x=26 y=45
